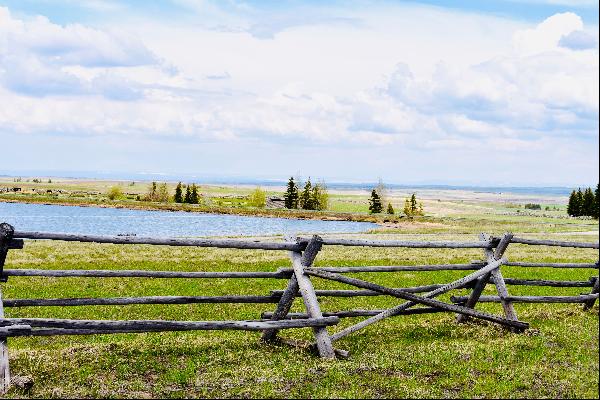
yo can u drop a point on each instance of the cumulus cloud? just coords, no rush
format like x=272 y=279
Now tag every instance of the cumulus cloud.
x=35 y=55
x=84 y=81
x=578 y=40
x=538 y=90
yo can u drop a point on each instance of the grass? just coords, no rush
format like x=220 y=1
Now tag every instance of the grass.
x=409 y=356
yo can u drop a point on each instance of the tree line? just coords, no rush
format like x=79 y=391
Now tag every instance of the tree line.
x=412 y=207
x=584 y=203
x=311 y=197
x=191 y=195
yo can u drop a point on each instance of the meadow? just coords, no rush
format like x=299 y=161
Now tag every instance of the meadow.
x=407 y=356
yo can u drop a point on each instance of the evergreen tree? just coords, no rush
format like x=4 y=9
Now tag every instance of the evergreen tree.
x=375 y=206
x=291 y=194
x=390 y=209
x=414 y=208
x=587 y=204
x=407 y=211
x=178 y=194
x=579 y=195
x=194 y=198
x=306 y=198
x=188 y=195
x=573 y=206
x=151 y=196
x=596 y=210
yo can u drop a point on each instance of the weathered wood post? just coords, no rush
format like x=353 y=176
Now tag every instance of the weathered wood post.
x=299 y=262
x=491 y=256
x=6 y=234
x=595 y=289
x=300 y=283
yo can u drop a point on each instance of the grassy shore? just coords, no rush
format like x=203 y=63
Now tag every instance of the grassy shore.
x=414 y=356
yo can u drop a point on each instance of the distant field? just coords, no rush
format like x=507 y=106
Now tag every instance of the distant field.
x=458 y=211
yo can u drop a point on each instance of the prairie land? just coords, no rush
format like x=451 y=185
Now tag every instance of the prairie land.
x=407 y=356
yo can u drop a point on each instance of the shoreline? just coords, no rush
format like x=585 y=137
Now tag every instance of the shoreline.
x=380 y=220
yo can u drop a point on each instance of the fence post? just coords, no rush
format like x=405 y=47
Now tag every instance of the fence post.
x=299 y=262
x=595 y=288
x=291 y=292
x=283 y=308
x=6 y=234
x=483 y=281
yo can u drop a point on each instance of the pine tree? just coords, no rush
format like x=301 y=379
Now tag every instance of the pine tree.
x=188 y=195
x=407 y=211
x=421 y=212
x=573 y=206
x=414 y=208
x=596 y=202
x=375 y=206
x=194 y=198
x=390 y=209
x=178 y=194
x=291 y=194
x=579 y=195
x=151 y=196
x=305 y=200
x=587 y=204
x=319 y=197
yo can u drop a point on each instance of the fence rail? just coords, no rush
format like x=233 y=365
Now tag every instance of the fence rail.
x=302 y=252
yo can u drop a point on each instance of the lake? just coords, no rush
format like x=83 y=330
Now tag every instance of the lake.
x=114 y=221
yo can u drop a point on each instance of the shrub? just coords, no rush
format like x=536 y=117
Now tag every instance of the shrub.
x=258 y=198
x=115 y=193
x=533 y=206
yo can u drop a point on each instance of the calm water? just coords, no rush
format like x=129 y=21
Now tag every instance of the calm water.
x=113 y=221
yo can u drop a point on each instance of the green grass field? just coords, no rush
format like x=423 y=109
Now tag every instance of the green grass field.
x=408 y=356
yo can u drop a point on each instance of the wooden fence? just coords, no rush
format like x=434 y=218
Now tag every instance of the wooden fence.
x=302 y=252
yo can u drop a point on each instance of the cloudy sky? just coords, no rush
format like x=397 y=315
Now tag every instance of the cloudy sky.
x=495 y=92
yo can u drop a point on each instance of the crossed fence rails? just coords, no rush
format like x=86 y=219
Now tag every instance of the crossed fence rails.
x=302 y=252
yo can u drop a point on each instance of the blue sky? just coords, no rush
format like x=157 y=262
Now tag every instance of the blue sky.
x=492 y=92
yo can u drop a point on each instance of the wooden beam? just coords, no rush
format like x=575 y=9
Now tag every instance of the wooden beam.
x=395 y=310
x=113 y=301
x=414 y=298
x=595 y=289
x=125 y=273
x=81 y=327
x=300 y=262
x=221 y=243
x=583 y=298
x=6 y=235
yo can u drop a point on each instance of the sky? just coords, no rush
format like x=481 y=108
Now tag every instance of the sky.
x=498 y=92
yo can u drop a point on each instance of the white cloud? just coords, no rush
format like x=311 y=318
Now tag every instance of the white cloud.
x=388 y=81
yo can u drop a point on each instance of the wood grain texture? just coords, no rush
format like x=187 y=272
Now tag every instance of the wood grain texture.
x=530 y=299
x=299 y=263
x=222 y=243
x=101 y=273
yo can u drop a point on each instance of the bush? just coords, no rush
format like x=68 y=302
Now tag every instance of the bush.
x=115 y=193
x=258 y=198
x=533 y=206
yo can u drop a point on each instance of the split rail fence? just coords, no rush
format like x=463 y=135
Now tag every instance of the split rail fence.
x=302 y=252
